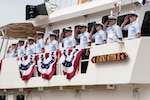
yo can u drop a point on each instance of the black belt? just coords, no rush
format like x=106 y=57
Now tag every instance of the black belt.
x=98 y=44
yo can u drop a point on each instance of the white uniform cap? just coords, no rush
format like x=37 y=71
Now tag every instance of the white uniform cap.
x=30 y=38
x=68 y=29
x=52 y=34
x=14 y=43
x=112 y=17
x=99 y=23
x=133 y=13
x=82 y=25
x=39 y=33
x=21 y=41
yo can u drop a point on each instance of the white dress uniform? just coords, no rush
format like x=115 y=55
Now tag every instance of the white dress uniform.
x=84 y=39
x=53 y=45
x=133 y=28
x=21 y=51
x=99 y=37
x=12 y=53
x=30 y=50
x=39 y=45
x=113 y=33
x=69 y=42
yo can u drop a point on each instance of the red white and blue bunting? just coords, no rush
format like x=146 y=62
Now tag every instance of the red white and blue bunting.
x=26 y=66
x=70 y=61
x=47 y=64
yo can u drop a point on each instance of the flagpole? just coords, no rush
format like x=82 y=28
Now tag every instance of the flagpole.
x=46 y=1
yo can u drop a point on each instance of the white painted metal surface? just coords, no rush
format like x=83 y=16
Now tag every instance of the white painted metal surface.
x=120 y=72
x=130 y=78
x=123 y=92
x=80 y=10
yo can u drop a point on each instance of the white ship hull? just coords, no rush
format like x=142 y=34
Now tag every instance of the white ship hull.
x=126 y=79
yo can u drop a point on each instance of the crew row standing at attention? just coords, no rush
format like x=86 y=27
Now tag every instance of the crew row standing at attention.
x=51 y=42
x=32 y=46
x=134 y=29
x=68 y=41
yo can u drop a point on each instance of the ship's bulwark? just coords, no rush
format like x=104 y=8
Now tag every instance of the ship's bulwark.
x=115 y=72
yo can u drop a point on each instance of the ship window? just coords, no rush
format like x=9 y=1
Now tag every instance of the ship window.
x=104 y=19
x=2 y=97
x=78 y=40
x=63 y=30
x=57 y=31
x=90 y=25
x=20 y=97
x=145 y=30
x=120 y=20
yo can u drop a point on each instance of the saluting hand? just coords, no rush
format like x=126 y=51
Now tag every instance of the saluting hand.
x=46 y=39
x=76 y=29
x=106 y=23
x=126 y=19
x=91 y=32
x=27 y=43
x=62 y=34
x=9 y=47
x=87 y=52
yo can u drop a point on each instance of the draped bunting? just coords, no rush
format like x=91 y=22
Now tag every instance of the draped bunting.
x=70 y=61
x=47 y=64
x=26 y=66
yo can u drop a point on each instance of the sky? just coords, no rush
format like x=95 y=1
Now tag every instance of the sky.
x=12 y=11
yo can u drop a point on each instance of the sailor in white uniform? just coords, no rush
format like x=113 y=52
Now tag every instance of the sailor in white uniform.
x=68 y=41
x=52 y=42
x=20 y=48
x=100 y=35
x=113 y=31
x=84 y=36
x=11 y=50
x=134 y=29
x=84 y=42
x=30 y=46
x=40 y=43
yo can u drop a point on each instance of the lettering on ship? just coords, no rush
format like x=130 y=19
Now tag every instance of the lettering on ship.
x=110 y=57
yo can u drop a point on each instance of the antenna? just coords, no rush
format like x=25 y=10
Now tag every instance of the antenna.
x=111 y=13
x=119 y=7
x=118 y=4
